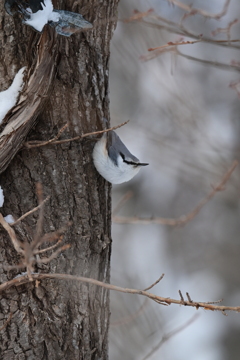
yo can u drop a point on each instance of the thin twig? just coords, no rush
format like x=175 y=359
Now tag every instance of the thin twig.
x=16 y=243
x=184 y=219
x=217 y=64
x=179 y=29
x=35 y=143
x=48 y=248
x=192 y=11
x=177 y=43
x=29 y=212
x=122 y=201
x=169 y=335
x=181 y=297
x=155 y=283
x=189 y=297
x=226 y=30
x=233 y=66
x=23 y=279
x=46 y=260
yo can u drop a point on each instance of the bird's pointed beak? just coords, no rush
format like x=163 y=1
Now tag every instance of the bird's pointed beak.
x=142 y=164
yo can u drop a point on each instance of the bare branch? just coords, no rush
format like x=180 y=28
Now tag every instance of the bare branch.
x=170 y=43
x=30 y=212
x=225 y=30
x=158 y=51
x=23 y=279
x=155 y=283
x=167 y=336
x=28 y=250
x=36 y=143
x=138 y=15
x=122 y=201
x=46 y=260
x=161 y=23
x=182 y=220
x=16 y=243
x=192 y=11
x=48 y=248
x=232 y=66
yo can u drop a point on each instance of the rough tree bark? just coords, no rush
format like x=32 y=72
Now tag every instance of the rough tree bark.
x=57 y=319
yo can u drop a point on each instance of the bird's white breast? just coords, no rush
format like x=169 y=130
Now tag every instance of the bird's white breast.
x=106 y=167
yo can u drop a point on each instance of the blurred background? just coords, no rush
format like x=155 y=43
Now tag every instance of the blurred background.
x=184 y=121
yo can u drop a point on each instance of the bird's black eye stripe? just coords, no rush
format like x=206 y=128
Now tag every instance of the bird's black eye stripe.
x=130 y=163
x=123 y=157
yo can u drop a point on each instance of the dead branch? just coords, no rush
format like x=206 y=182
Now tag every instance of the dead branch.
x=16 y=243
x=29 y=212
x=184 y=219
x=232 y=66
x=158 y=51
x=30 y=251
x=155 y=283
x=36 y=143
x=192 y=11
x=138 y=15
x=169 y=335
x=24 y=279
x=170 y=43
x=153 y=20
x=226 y=30
x=122 y=201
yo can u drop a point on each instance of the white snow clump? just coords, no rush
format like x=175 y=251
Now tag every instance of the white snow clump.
x=1 y=197
x=9 y=97
x=9 y=219
x=41 y=17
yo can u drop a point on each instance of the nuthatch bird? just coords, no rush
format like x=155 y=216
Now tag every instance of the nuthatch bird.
x=113 y=160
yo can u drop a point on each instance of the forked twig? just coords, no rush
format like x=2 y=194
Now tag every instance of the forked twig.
x=155 y=283
x=30 y=212
x=36 y=143
x=182 y=220
x=29 y=251
x=23 y=279
x=169 y=335
x=16 y=243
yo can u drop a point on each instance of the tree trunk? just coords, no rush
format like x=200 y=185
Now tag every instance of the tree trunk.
x=58 y=319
